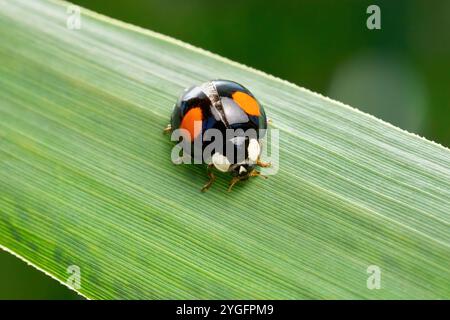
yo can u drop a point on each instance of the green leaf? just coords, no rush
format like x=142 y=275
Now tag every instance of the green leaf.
x=86 y=177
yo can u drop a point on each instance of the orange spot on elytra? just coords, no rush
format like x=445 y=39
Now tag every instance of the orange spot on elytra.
x=247 y=103
x=192 y=122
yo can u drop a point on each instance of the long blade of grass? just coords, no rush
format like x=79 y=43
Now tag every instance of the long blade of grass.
x=86 y=177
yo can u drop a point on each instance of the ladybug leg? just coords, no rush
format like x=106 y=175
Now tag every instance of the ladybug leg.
x=233 y=181
x=253 y=173
x=167 y=129
x=263 y=164
x=256 y=173
x=211 y=180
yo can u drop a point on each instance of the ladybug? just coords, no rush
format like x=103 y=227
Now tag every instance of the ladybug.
x=224 y=106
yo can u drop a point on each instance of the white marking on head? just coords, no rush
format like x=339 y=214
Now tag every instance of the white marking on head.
x=242 y=169
x=253 y=150
x=220 y=162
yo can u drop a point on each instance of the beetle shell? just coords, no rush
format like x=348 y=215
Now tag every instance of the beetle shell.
x=222 y=105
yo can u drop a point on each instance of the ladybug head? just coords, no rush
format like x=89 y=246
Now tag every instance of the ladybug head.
x=241 y=170
x=242 y=160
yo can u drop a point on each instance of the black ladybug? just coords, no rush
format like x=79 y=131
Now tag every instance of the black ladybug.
x=223 y=106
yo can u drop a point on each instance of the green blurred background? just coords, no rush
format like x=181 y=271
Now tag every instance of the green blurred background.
x=400 y=73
